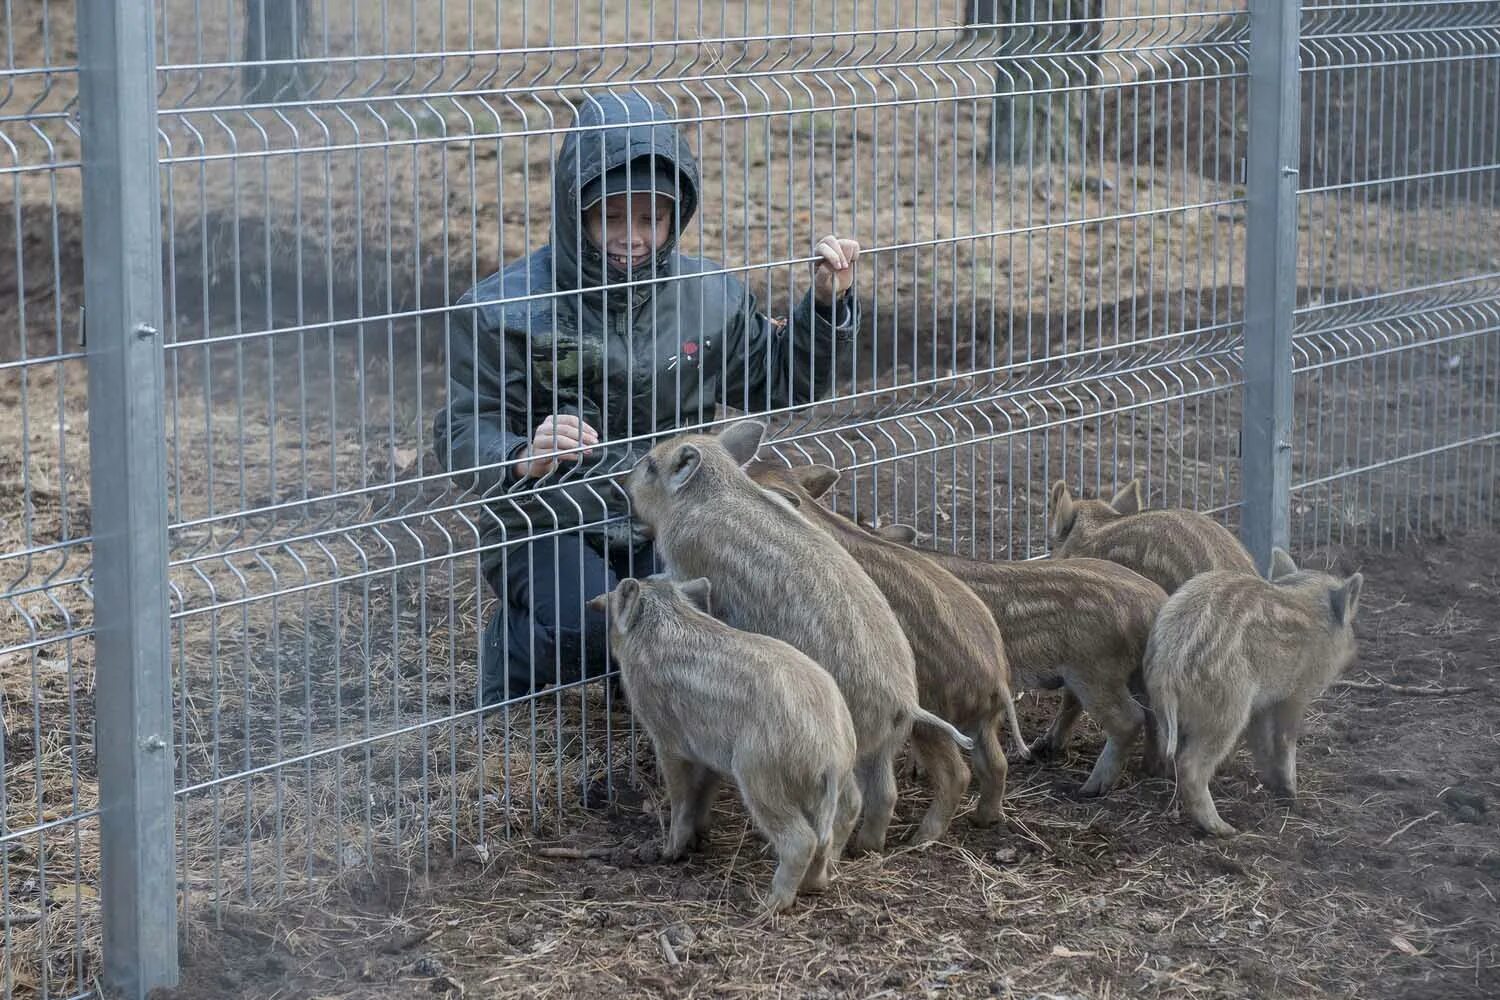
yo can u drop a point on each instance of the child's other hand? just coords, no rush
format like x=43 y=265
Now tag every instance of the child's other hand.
x=834 y=274
x=559 y=432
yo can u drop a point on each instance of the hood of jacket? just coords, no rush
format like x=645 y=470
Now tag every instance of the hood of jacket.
x=612 y=129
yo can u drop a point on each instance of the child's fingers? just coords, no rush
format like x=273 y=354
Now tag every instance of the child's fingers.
x=578 y=431
x=833 y=255
x=840 y=254
x=556 y=439
x=556 y=453
x=573 y=438
x=586 y=433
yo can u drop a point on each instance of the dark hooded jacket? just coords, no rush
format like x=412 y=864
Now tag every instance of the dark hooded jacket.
x=634 y=361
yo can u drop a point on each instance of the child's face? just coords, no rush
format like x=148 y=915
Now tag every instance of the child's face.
x=629 y=227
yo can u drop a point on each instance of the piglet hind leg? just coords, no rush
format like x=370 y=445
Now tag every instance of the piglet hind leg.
x=685 y=781
x=992 y=767
x=1051 y=743
x=876 y=774
x=1199 y=758
x=704 y=794
x=1121 y=719
x=947 y=774
x=1153 y=759
x=795 y=843
x=1260 y=734
x=844 y=820
x=1285 y=726
x=819 y=872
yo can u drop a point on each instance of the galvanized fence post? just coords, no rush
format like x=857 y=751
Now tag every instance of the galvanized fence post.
x=127 y=447
x=1270 y=276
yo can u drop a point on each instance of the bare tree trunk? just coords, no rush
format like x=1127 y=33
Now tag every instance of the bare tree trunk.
x=980 y=17
x=274 y=29
x=981 y=12
x=1042 y=48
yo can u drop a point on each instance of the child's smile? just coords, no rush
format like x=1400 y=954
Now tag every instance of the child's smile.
x=629 y=228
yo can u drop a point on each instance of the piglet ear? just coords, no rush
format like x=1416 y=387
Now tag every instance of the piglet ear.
x=903 y=533
x=686 y=462
x=1128 y=500
x=816 y=479
x=1345 y=599
x=697 y=591
x=1281 y=565
x=788 y=495
x=1063 y=511
x=742 y=439
x=626 y=604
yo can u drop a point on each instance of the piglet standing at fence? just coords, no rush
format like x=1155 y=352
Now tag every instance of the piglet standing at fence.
x=1231 y=651
x=1167 y=547
x=718 y=702
x=962 y=673
x=1080 y=625
x=775 y=573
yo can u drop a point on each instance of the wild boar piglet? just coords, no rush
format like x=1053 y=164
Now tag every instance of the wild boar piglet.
x=1233 y=653
x=1077 y=624
x=721 y=703
x=962 y=673
x=776 y=573
x=1167 y=547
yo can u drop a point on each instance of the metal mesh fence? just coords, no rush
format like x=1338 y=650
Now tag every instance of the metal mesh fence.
x=1050 y=201
x=1396 y=384
x=49 y=872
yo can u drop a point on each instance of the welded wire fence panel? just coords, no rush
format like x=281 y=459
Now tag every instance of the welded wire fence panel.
x=378 y=647
x=1049 y=215
x=49 y=847
x=1398 y=390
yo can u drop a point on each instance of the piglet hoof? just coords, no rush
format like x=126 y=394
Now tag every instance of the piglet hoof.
x=1092 y=789
x=1218 y=828
x=776 y=903
x=1043 y=749
x=924 y=835
x=1284 y=794
x=815 y=883
x=671 y=852
x=1155 y=766
x=985 y=816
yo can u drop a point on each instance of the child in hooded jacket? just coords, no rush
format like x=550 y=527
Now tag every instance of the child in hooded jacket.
x=567 y=364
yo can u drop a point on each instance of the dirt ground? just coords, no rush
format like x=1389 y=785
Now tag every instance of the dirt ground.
x=1382 y=880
